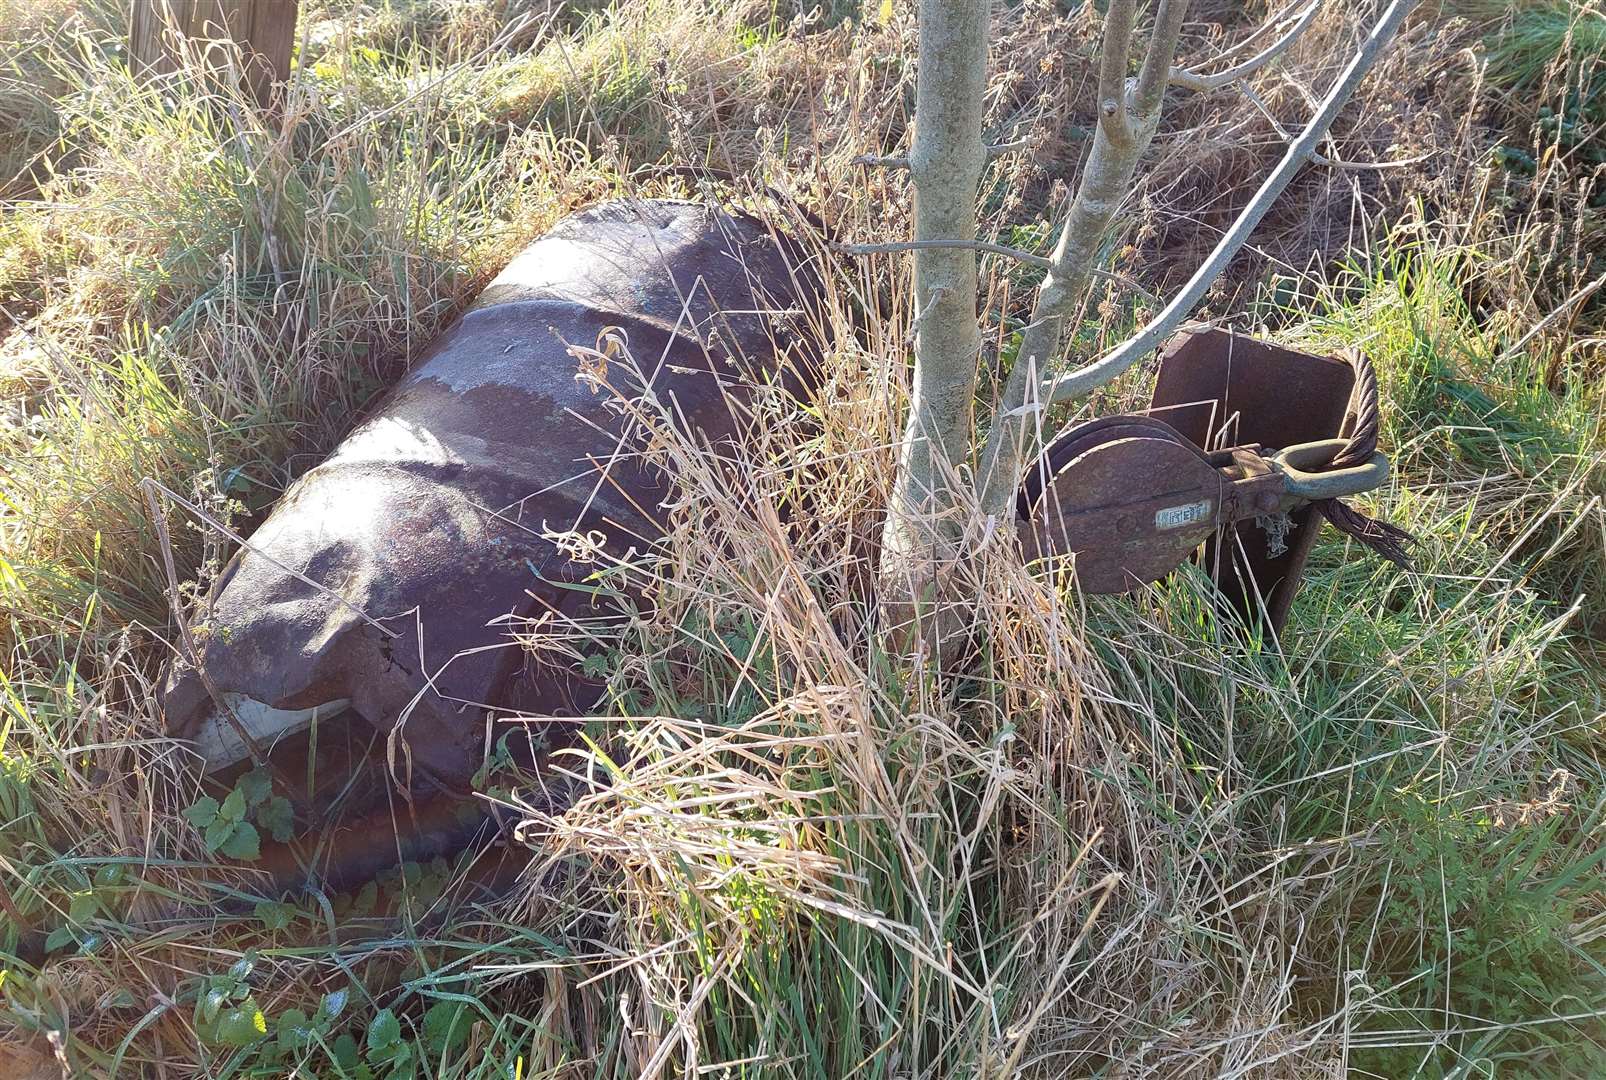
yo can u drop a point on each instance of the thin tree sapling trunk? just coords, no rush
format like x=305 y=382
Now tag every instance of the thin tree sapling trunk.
x=923 y=520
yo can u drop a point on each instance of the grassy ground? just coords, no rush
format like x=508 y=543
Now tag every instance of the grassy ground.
x=1135 y=841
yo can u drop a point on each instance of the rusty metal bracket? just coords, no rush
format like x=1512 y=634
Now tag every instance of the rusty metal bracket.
x=1132 y=498
x=1308 y=487
x=1216 y=388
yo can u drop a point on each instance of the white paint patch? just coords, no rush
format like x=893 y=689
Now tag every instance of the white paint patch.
x=1176 y=517
x=220 y=744
x=516 y=364
x=387 y=438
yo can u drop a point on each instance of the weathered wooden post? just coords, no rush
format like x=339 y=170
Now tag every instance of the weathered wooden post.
x=264 y=30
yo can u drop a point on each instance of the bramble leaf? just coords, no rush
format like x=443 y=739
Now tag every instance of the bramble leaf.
x=344 y=1051
x=277 y=816
x=446 y=1027
x=255 y=786
x=334 y=1003
x=202 y=812
x=241 y=1026
x=233 y=808
x=83 y=906
x=274 y=915
x=243 y=843
x=384 y=1032
x=218 y=833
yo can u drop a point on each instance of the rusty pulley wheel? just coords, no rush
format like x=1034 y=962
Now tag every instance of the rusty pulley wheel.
x=1128 y=496
x=1131 y=499
x=1080 y=439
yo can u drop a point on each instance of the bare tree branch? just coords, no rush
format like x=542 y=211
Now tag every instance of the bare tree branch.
x=994 y=150
x=926 y=245
x=1028 y=257
x=1268 y=26
x=1194 y=80
x=997 y=150
x=1105 y=182
x=1113 y=118
x=876 y=161
x=1087 y=379
x=1320 y=159
x=1156 y=70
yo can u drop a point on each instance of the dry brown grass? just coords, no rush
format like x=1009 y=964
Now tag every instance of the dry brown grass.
x=1118 y=836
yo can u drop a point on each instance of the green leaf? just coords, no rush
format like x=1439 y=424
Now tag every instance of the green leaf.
x=294 y=1029
x=278 y=817
x=274 y=915
x=233 y=808
x=218 y=833
x=334 y=1003
x=243 y=843
x=255 y=786
x=400 y=1060
x=82 y=907
x=202 y=812
x=60 y=937
x=446 y=1027
x=109 y=876
x=210 y=1004
x=384 y=1032
x=241 y=969
x=345 y=1053
x=241 y=1026
x=365 y=900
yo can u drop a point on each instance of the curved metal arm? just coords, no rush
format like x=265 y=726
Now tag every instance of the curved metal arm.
x=1294 y=463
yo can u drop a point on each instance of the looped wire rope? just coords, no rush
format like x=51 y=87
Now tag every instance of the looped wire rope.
x=1388 y=541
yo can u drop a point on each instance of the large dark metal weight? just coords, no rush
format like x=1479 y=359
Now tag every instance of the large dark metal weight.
x=388 y=582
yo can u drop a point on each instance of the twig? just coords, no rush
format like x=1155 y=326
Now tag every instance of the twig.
x=157 y=485
x=914 y=323
x=969 y=245
x=997 y=150
x=877 y=161
x=1030 y=258
x=1267 y=26
x=1086 y=379
x=1193 y=80
x=994 y=150
x=1318 y=159
x=224 y=708
x=1566 y=305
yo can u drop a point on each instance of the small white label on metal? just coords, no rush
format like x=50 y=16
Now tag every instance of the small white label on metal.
x=1175 y=517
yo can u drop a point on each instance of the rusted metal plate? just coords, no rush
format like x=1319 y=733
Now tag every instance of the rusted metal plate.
x=1132 y=499
x=427 y=531
x=1219 y=389
x=1130 y=510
